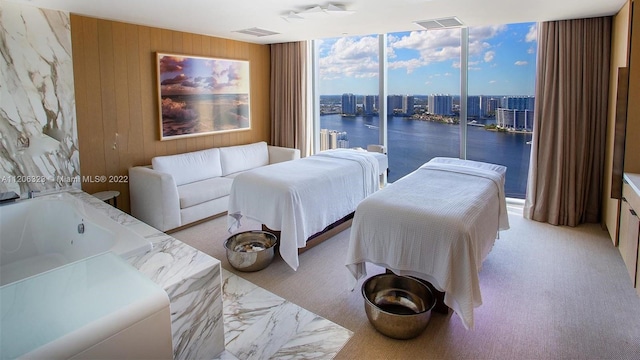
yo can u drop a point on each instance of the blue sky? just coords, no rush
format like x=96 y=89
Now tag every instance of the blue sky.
x=502 y=61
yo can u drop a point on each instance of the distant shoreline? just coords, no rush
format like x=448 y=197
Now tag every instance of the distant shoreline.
x=443 y=120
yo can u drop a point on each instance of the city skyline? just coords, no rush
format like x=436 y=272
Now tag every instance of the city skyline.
x=509 y=112
x=502 y=60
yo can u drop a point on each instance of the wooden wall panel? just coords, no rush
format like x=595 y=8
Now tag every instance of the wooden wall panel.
x=116 y=97
x=619 y=59
x=632 y=145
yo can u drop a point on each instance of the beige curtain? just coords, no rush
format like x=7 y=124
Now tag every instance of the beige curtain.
x=289 y=95
x=568 y=147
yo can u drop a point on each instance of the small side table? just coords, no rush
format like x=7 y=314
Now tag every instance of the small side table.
x=108 y=197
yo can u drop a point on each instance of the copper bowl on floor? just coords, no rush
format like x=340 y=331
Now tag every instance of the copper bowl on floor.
x=250 y=250
x=397 y=306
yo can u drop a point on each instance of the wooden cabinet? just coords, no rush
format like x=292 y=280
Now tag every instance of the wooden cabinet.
x=628 y=241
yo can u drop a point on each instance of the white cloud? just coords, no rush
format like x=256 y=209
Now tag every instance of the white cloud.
x=351 y=57
x=480 y=33
x=391 y=54
x=532 y=35
x=521 y=63
x=492 y=81
x=432 y=46
x=357 y=57
x=531 y=50
x=410 y=65
x=442 y=45
x=489 y=55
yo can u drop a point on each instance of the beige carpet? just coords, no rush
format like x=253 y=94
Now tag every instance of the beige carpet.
x=548 y=293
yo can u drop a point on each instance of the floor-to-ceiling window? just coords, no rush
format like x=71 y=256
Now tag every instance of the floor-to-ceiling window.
x=424 y=96
x=348 y=86
x=423 y=81
x=502 y=73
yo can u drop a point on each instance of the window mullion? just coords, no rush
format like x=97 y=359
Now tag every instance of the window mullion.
x=464 y=88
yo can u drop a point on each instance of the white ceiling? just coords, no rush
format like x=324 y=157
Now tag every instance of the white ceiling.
x=222 y=18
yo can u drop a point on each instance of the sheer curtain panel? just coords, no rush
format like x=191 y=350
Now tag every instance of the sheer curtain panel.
x=568 y=149
x=288 y=95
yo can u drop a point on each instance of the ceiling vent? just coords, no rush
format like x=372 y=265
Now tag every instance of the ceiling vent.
x=257 y=32
x=450 y=22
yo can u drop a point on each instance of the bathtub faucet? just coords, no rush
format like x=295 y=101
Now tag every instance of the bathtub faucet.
x=32 y=193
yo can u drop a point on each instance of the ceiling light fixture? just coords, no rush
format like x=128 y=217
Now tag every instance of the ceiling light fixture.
x=312 y=13
x=292 y=17
x=316 y=12
x=335 y=10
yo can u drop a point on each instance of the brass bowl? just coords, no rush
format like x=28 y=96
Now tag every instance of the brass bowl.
x=397 y=306
x=250 y=250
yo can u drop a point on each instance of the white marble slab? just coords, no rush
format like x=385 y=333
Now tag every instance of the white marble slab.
x=248 y=322
x=191 y=278
x=38 y=121
x=261 y=325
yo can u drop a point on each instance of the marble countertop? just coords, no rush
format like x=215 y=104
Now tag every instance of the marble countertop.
x=170 y=261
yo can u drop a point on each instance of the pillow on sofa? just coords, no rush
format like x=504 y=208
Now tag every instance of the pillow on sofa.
x=243 y=157
x=189 y=167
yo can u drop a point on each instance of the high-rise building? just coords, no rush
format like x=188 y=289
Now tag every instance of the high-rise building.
x=441 y=104
x=348 y=104
x=488 y=105
x=473 y=106
x=518 y=102
x=394 y=104
x=408 y=102
x=333 y=139
x=369 y=104
x=514 y=119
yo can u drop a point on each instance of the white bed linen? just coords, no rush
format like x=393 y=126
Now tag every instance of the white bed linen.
x=302 y=197
x=438 y=224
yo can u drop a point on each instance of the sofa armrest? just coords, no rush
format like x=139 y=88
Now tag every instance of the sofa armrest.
x=154 y=198
x=279 y=154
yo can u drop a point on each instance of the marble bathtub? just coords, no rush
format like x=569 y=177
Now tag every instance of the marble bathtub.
x=191 y=278
x=47 y=232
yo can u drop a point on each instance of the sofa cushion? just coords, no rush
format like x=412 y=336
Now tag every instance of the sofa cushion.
x=202 y=191
x=190 y=167
x=243 y=157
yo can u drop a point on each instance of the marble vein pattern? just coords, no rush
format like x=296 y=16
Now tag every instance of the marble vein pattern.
x=260 y=325
x=38 y=124
x=191 y=278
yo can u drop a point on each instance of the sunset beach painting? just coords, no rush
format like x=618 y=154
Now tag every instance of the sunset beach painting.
x=200 y=95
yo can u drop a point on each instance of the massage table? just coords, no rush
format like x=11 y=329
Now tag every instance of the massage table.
x=437 y=224
x=301 y=198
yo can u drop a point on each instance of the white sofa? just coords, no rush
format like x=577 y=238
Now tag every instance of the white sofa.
x=177 y=190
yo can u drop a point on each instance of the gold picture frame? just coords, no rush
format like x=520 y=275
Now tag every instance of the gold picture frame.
x=202 y=95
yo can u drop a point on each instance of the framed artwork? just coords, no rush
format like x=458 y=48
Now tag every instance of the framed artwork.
x=201 y=95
